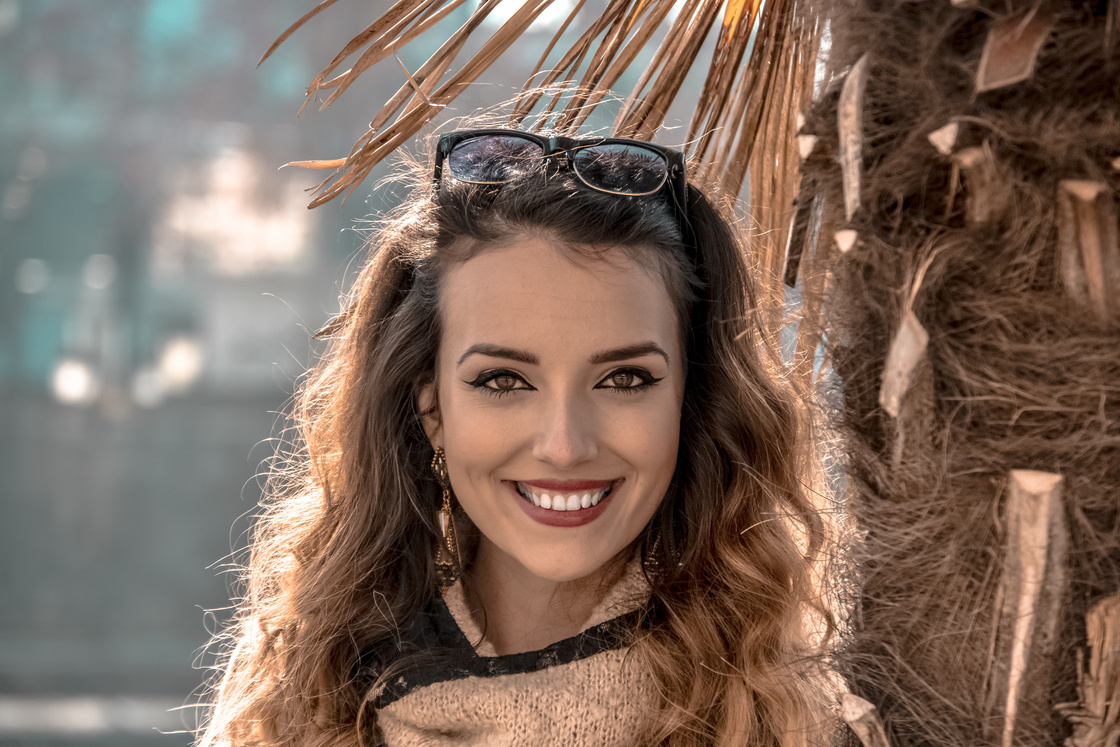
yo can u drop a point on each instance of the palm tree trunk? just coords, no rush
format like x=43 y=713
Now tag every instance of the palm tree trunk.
x=966 y=163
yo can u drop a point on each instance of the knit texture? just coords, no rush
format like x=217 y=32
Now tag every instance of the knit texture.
x=583 y=691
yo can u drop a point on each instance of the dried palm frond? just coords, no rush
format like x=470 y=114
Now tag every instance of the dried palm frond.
x=759 y=76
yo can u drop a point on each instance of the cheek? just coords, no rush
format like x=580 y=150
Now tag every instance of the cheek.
x=648 y=442
x=651 y=430
x=480 y=435
x=660 y=461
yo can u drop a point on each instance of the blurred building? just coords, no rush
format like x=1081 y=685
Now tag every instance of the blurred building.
x=159 y=279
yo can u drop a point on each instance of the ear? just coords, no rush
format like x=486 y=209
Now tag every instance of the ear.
x=427 y=402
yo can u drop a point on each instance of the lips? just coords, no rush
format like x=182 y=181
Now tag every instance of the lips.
x=548 y=501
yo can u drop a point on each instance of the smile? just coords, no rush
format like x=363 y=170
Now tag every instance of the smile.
x=568 y=503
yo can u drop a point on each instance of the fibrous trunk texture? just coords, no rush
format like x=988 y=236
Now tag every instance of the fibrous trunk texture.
x=963 y=176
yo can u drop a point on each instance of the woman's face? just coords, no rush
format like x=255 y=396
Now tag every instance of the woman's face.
x=560 y=389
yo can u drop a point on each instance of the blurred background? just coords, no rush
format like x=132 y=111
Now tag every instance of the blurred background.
x=159 y=282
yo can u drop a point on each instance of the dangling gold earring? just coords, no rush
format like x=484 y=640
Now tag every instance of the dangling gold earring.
x=448 y=562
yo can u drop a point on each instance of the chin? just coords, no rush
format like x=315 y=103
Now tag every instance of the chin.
x=562 y=571
x=573 y=562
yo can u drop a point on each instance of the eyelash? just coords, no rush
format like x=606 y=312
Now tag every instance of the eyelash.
x=645 y=378
x=480 y=382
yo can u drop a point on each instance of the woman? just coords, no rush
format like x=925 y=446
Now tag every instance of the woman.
x=548 y=488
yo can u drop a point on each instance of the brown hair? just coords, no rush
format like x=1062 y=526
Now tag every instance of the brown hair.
x=335 y=564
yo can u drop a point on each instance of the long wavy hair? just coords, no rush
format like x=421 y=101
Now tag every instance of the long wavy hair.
x=341 y=555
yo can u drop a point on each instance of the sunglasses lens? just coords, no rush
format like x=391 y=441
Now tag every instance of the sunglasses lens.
x=493 y=159
x=621 y=168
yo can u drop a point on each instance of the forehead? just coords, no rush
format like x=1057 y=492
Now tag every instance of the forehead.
x=533 y=295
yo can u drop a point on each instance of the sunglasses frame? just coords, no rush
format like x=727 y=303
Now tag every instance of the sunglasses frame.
x=553 y=147
x=561 y=149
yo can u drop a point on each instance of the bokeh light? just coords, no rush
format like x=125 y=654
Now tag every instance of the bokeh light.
x=75 y=383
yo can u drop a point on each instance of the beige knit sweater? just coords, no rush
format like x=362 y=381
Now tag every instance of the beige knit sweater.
x=583 y=691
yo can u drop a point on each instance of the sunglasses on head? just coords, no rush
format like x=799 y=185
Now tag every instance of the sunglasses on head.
x=614 y=165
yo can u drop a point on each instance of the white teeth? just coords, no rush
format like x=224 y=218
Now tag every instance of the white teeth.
x=559 y=502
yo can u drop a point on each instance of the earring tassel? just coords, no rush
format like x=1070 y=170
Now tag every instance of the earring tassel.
x=447 y=557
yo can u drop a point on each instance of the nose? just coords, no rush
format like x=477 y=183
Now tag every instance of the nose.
x=567 y=434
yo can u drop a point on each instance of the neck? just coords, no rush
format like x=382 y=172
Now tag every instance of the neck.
x=520 y=611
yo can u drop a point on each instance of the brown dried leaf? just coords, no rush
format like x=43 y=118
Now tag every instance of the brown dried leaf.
x=1011 y=50
x=744 y=116
x=295 y=26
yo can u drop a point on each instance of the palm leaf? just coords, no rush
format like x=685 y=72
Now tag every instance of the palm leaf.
x=759 y=77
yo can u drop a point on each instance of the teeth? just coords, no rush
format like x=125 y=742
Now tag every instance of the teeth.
x=559 y=502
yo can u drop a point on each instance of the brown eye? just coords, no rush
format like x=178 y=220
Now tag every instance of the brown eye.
x=504 y=383
x=630 y=380
x=499 y=382
x=622 y=379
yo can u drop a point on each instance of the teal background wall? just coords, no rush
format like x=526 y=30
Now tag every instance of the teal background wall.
x=158 y=277
x=158 y=280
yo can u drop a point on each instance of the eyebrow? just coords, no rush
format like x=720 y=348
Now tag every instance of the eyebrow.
x=630 y=351
x=497 y=351
x=603 y=356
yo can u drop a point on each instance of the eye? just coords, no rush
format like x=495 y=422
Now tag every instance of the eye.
x=622 y=379
x=503 y=383
x=630 y=379
x=497 y=382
